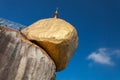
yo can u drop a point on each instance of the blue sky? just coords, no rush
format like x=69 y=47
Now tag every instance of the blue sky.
x=98 y=24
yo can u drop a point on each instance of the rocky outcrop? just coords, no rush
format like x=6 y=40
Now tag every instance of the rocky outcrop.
x=22 y=60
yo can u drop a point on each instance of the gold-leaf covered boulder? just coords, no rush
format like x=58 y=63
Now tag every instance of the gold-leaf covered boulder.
x=56 y=36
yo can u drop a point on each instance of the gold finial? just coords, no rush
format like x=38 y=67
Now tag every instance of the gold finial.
x=56 y=13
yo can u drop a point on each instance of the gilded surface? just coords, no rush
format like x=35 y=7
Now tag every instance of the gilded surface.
x=57 y=37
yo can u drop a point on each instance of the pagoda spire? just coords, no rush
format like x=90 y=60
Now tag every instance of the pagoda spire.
x=56 y=13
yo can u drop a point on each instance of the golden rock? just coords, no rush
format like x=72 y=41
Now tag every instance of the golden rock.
x=56 y=36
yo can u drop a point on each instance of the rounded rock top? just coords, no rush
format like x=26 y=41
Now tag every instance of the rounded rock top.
x=51 y=28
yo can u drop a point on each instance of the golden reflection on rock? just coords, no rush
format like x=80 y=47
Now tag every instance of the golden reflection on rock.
x=56 y=36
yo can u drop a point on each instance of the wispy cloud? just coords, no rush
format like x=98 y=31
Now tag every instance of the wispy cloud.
x=103 y=56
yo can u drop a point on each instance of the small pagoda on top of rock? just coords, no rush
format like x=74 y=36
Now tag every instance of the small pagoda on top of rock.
x=56 y=36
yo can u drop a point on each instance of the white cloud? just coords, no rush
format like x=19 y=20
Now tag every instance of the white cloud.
x=101 y=56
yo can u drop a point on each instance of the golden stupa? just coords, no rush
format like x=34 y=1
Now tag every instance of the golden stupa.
x=56 y=36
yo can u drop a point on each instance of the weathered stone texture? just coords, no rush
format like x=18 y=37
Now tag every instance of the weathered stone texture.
x=22 y=60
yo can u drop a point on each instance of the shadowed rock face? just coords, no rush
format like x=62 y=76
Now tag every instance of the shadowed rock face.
x=55 y=36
